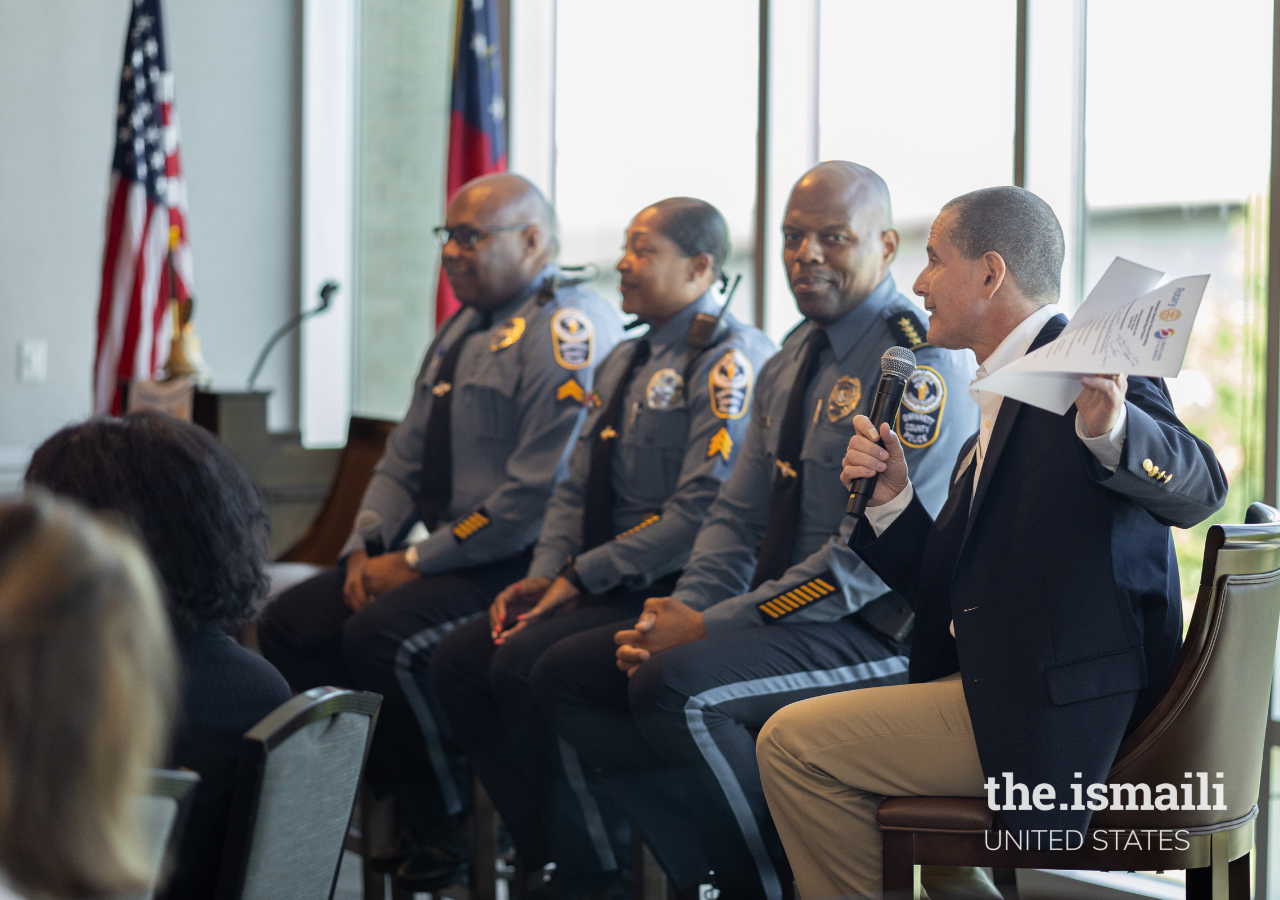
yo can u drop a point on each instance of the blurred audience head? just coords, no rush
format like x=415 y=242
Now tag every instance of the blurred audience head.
x=87 y=690
x=194 y=507
x=675 y=249
x=837 y=238
x=501 y=234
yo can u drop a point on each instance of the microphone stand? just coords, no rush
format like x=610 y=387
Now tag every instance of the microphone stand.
x=327 y=290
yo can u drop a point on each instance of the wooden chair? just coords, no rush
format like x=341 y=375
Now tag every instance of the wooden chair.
x=321 y=543
x=293 y=796
x=1210 y=718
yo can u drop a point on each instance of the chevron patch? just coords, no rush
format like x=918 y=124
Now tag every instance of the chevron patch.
x=799 y=597
x=720 y=443
x=644 y=523
x=571 y=390
x=470 y=525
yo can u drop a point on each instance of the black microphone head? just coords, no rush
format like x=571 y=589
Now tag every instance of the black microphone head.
x=898 y=361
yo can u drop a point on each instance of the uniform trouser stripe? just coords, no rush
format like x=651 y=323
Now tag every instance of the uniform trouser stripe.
x=425 y=640
x=590 y=809
x=778 y=684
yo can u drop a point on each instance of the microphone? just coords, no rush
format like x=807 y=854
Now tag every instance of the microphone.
x=369 y=527
x=327 y=290
x=896 y=367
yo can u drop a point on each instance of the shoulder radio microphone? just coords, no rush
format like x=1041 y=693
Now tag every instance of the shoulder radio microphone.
x=896 y=367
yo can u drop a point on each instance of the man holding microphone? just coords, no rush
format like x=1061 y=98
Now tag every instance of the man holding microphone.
x=1048 y=611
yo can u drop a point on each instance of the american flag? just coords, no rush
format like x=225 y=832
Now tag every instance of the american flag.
x=146 y=217
x=477 y=132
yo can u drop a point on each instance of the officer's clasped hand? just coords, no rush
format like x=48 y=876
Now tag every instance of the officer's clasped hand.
x=867 y=457
x=561 y=595
x=1100 y=402
x=513 y=600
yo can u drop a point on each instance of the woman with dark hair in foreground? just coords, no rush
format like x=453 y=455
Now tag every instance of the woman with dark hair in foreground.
x=86 y=696
x=206 y=529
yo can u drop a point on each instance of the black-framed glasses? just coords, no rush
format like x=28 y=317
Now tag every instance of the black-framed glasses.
x=467 y=237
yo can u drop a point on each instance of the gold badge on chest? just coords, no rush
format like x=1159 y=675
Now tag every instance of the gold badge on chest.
x=845 y=396
x=507 y=334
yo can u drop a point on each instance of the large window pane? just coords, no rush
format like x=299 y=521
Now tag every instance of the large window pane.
x=653 y=102
x=1178 y=126
x=923 y=93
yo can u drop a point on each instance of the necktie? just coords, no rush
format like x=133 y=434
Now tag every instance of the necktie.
x=597 y=505
x=437 y=451
x=784 y=503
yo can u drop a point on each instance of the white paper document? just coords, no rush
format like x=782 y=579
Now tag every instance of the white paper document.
x=1126 y=326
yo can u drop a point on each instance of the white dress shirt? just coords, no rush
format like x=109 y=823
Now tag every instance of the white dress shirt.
x=1105 y=448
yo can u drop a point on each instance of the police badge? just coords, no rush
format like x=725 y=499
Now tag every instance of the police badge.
x=507 y=334
x=664 y=389
x=844 y=398
x=922 y=403
x=730 y=382
x=571 y=336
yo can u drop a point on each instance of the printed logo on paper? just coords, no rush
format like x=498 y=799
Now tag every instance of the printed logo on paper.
x=1170 y=314
x=1164 y=333
x=572 y=336
x=730 y=382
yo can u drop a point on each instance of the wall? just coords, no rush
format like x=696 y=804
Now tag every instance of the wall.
x=237 y=78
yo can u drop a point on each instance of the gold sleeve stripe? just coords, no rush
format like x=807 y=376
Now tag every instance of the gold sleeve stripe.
x=798 y=597
x=644 y=524
x=470 y=525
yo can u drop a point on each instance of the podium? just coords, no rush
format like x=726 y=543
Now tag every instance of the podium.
x=294 y=479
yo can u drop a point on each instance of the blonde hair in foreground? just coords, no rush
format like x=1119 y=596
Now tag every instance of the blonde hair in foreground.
x=87 y=691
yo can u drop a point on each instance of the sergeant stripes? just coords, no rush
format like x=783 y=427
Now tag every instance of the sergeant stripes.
x=796 y=598
x=470 y=525
x=644 y=524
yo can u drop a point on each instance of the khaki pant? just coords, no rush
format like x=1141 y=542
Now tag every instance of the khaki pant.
x=828 y=762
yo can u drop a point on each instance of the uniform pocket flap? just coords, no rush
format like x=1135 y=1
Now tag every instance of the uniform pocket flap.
x=1097 y=676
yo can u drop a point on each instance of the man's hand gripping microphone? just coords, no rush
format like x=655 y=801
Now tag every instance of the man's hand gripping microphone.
x=896 y=367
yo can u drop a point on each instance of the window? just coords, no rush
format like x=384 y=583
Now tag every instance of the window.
x=670 y=111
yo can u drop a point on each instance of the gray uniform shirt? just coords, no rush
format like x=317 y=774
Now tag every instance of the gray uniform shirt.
x=937 y=417
x=676 y=443
x=518 y=394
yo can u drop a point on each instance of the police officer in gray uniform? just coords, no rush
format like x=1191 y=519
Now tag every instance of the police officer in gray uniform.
x=496 y=409
x=668 y=418
x=772 y=607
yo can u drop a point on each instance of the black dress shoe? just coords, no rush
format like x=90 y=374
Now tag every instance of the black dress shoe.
x=434 y=866
x=391 y=858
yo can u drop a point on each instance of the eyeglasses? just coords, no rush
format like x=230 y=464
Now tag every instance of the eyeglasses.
x=466 y=237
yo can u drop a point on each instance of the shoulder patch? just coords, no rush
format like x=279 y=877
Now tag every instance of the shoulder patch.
x=798 y=597
x=664 y=389
x=920 y=418
x=907 y=328
x=507 y=334
x=730 y=382
x=572 y=336
x=468 y=526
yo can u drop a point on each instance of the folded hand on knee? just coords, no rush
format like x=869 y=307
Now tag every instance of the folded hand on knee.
x=665 y=623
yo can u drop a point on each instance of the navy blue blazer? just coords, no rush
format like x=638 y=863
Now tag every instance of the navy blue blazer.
x=1062 y=583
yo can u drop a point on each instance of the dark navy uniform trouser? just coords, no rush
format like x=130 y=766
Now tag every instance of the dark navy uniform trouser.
x=675 y=744
x=315 y=639
x=535 y=779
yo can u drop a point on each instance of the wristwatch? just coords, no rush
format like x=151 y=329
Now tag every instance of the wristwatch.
x=569 y=572
x=411 y=556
